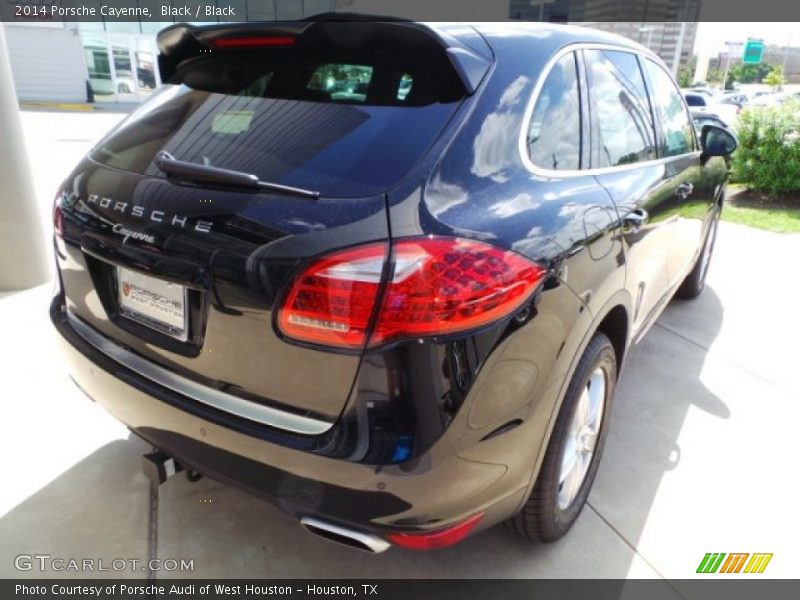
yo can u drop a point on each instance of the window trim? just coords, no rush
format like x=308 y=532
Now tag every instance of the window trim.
x=657 y=125
x=587 y=133
x=528 y=114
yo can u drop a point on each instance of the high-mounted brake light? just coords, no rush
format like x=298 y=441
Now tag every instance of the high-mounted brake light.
x=436 y=539
x=274 y=41
x=439 y=286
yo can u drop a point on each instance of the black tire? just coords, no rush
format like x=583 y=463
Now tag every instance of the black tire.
x=695 y=281
x=541 y=519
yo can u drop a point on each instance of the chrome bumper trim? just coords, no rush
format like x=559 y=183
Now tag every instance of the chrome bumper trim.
x=223 y=401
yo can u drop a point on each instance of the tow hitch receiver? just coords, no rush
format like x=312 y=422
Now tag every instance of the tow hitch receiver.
x=158 y=467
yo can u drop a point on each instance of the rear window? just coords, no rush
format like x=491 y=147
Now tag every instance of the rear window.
x=341 y=125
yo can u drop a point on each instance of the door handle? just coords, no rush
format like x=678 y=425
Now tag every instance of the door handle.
x=635 y=220
x=685 y=189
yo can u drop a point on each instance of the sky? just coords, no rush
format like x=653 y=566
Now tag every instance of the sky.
x=711 y=37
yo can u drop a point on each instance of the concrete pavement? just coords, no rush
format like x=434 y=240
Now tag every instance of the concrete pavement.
x=700 y=456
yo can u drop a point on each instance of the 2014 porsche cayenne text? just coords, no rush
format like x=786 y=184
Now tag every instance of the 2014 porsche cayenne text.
x=385 y=274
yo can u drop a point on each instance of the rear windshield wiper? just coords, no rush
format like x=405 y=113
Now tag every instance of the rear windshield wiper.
x=202 y=173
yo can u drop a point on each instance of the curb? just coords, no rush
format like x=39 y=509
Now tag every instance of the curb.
x=71 y=106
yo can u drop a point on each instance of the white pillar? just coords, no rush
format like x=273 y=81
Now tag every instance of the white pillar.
x=701 y=69
x=23 y=252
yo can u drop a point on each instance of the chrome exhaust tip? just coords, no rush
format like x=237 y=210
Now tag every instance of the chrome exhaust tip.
x=367 y=542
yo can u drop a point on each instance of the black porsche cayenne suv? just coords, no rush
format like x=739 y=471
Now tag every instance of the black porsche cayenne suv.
x=384 y=274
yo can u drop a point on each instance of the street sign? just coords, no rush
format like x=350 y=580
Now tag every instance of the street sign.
x=753 y=50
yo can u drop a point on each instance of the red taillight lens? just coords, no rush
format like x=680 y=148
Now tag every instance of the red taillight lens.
x=331 y=301
x=440 y=286
x=274 y=41
x=435 y=539
x=445 y=286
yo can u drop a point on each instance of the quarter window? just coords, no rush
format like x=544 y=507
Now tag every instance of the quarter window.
x=675 y=123
x=620 y=109
x=554 y=134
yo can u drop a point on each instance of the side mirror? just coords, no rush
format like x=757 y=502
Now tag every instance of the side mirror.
x=717 y=141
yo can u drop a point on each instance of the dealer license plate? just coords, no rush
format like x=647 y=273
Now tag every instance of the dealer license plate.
x=153 y=302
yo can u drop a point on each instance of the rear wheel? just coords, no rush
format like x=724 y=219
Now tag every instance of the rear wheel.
x=573 y=453
x=696 y=279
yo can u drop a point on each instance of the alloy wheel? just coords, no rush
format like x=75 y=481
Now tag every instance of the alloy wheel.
x=581 y=439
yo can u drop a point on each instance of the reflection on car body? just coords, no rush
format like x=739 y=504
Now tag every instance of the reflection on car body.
x=428 y=343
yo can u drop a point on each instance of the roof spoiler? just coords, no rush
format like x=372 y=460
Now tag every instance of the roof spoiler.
x=471 y=58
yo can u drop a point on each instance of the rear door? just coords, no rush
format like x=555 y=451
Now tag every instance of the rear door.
x=690 y=191
x=624 y=157
x=187 y=273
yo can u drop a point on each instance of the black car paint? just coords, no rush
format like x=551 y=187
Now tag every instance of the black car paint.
x=488 y=397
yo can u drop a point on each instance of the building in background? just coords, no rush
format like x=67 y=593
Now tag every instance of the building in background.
x=787 y=57
x=551 y=11
x=665 y=26
x=113 y=61
x=663 y=38
x=116 y=61
x=47 y=61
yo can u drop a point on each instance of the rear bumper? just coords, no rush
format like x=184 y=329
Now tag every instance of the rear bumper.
x=429 y=492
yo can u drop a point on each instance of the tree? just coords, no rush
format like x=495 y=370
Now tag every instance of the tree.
x=686 y=73
x=748 y=72
x=775 y=78
x=685 y=76
x=714 y=75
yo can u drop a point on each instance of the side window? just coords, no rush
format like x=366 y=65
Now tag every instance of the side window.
x=554 y=135
x=672 y=113
x=620 y=109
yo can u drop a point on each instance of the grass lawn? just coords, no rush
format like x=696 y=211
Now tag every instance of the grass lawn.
x=751 y=208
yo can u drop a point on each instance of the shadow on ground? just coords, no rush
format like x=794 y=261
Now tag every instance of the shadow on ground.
x=660 y=384
x=95 y=510
x=99 y=507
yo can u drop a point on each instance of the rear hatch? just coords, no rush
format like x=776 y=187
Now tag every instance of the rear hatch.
x=185 y=268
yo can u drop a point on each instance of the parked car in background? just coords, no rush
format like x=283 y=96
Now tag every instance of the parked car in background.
x=701 y=118
x=400 y=312
x=771 y=99
x=712 y=104
x=702 y=88
x=735 y=97
x=738 y=99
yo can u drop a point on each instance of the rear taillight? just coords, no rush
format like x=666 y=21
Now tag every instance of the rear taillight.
x=438 y=287
x=331 y=301
x=267 y=41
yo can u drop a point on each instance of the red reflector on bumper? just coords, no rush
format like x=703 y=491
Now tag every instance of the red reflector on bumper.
x=435 y=539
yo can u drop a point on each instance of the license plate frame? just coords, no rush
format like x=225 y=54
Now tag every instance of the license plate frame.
x=155 y=303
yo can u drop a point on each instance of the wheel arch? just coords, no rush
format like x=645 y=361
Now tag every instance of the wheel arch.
x=613 y=320
x=616 y=327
